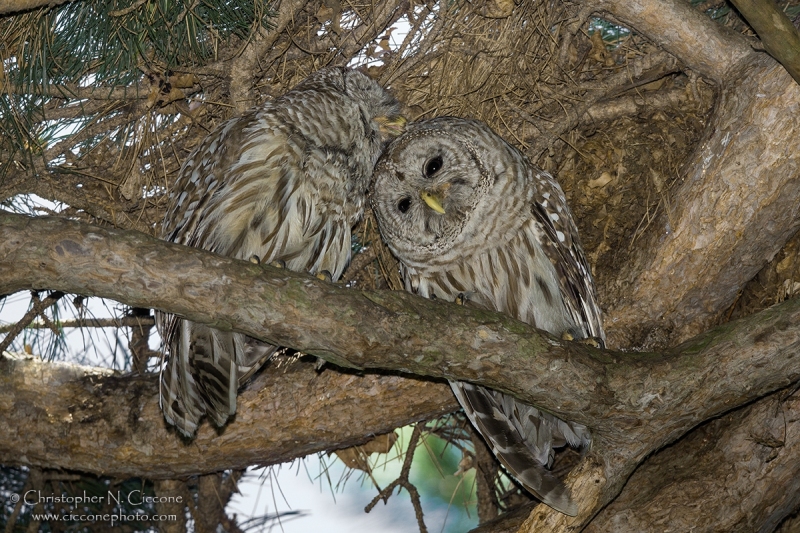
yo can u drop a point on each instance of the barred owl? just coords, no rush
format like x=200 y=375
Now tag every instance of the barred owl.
x=468 y=215
x=285 y=182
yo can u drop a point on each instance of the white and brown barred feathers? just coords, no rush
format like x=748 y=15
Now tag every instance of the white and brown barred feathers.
x=467 y=213
x=285 y=182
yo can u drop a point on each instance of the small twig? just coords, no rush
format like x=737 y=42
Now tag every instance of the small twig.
x=122 y=12
x=403 y=481
x=37 y=309
x=183 y=13
x=572 y=27
x=96 y=127
x=130 y=322
x=122 y=93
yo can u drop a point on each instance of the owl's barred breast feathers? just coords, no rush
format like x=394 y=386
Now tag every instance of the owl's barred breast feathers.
x=466 y=213
x=285 y=182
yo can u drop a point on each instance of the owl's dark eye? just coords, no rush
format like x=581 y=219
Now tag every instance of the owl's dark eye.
x=404 y=204
x=433 y=165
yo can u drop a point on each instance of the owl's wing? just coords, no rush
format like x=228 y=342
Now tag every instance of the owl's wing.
x=246 y=191
x=558 y=237
x=517 y=433
x=217 y=209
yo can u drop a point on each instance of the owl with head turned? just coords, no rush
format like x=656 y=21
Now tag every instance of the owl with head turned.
x=284 y=183
x=470 y=218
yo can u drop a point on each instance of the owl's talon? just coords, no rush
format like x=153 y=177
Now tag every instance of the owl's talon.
x=255 y=259
x=593 y=342
x=461 y=299
x=589 y=341
x=324 y=275
x=278 y=263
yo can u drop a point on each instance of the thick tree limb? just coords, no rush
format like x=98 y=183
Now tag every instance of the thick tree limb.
x=98 y=421
x=725 y=239
x=389 y=330
x=610 y=392
x=781 y=39
x=15 y=6
x=697 y=41
x=757 y=448
x=694 y=261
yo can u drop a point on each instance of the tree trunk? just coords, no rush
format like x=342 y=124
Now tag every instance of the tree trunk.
x=736 y=208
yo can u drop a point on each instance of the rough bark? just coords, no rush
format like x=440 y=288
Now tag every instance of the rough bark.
x=700 y=43
x=735 y=209
x=90 y=420
x=15 y=6
x=611 y=392
x=781 y=39
x=741 y=469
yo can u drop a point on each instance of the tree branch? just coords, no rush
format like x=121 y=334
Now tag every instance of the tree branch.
x=781 y=39
x=15 y=6
x=128 y=321
x=241 y=68
x=122 y=93
x=705 y=46
x=55 y=414
x=611 y=392
x=756 y=447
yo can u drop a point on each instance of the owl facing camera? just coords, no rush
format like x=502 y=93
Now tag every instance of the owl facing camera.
x=471 y=219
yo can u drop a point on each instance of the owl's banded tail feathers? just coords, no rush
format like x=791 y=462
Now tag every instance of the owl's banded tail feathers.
x=204 y=370
x=523 y=439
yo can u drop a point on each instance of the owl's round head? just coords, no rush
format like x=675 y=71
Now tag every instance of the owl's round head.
x=378 y=103
x=379 y=109
x=438 y=186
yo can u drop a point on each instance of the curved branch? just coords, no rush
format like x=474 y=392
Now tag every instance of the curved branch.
x=16 y=6
x=393 y=330
x=781 y=39
x=755 y=447
x=706 y=47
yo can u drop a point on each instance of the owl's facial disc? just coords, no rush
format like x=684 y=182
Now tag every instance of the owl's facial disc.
x=427 y=186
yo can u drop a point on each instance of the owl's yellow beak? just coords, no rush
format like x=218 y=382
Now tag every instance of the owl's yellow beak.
x=392 y=125
x=432 y=201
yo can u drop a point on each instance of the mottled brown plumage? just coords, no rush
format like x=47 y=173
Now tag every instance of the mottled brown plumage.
x=467 y=213
x=285 y=182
